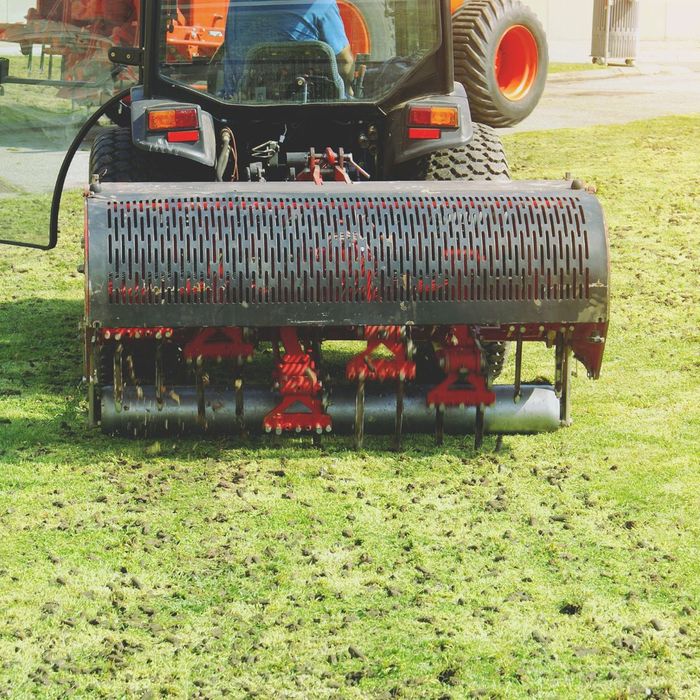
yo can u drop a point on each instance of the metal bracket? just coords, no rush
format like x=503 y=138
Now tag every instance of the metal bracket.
x=126 y=55
x=301 y=407
x=7 y=79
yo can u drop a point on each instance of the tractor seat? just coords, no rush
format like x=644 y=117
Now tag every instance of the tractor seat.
x=298 y=71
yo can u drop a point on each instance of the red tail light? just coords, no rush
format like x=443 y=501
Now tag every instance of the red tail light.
x=167 y=119
x=423 y=134
x=183 y=136
x=427 y=122
x=439 y=117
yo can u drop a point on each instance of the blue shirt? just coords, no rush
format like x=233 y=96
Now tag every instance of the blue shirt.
x=252 y=22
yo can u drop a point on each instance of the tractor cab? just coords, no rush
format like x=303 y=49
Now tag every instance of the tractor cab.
x=284 y=76
x=371 y=79
x=275 y=53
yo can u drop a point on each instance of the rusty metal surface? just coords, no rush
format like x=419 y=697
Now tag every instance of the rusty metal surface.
x=379 y=253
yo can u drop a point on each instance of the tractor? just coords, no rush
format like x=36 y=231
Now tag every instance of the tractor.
x=256 y=204
x=500 y=48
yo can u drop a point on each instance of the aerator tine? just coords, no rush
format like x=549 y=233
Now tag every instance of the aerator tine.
x=366 y=366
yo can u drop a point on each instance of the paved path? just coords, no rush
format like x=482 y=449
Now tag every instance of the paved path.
x=616 y=96
x=26 y=170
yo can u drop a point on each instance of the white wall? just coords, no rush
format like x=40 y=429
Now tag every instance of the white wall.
x=14 y=10
x=670 y=19
x=568 y=24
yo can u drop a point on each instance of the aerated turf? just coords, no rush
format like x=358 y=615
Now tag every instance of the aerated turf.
x=551 y=566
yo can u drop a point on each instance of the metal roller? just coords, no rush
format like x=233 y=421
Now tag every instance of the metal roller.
x=537 y=411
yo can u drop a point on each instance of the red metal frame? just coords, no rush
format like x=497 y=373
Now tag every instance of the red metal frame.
x=136 y=333
x=219 y=344
x=587 y=340
x=330 y=164
x=366 y=367
x=460 y=357
x=297 y=381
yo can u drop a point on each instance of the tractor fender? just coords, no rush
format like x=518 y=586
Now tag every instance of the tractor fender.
x=401 y=149
x=202 y=151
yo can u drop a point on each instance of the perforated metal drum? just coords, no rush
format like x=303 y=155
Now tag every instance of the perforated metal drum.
x=381 y=253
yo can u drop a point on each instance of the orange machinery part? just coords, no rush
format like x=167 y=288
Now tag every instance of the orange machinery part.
x=112 y=11
x=355 y=28
x=517 y=61
x=200 y=15
x=212 y=14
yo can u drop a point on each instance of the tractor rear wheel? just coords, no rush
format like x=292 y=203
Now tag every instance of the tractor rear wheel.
x=483 y=158
x=501 y=58
x=115 y=159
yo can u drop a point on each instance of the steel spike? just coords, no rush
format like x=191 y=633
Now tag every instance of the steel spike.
x=94 y=383
x=360 y=414
x=565 y=399
x=201 y=404
x=160 y=375
x=440 y=426
x=479 y=427
x=399 y=414
x=559 y=364
x=118 y=377
x=238 y=388
x=518 y=393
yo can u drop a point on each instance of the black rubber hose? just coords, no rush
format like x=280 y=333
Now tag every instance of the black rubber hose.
x=68 y=159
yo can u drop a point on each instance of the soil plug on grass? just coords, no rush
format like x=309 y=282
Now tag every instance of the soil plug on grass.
x=448 y=676
x=355 y=653
x=628 y=642
x=539 y=637
x=570 y=609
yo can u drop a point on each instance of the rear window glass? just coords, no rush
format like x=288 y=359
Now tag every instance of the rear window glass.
x=284 y=51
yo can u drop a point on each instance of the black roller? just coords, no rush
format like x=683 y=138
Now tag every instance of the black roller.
x=538 y=410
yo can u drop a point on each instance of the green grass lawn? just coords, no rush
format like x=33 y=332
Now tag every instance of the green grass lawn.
x=560 y=566
x=573 y=67
x=42 y=116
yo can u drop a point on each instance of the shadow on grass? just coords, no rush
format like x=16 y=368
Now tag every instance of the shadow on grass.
x=43 y=402
x=40 y=345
